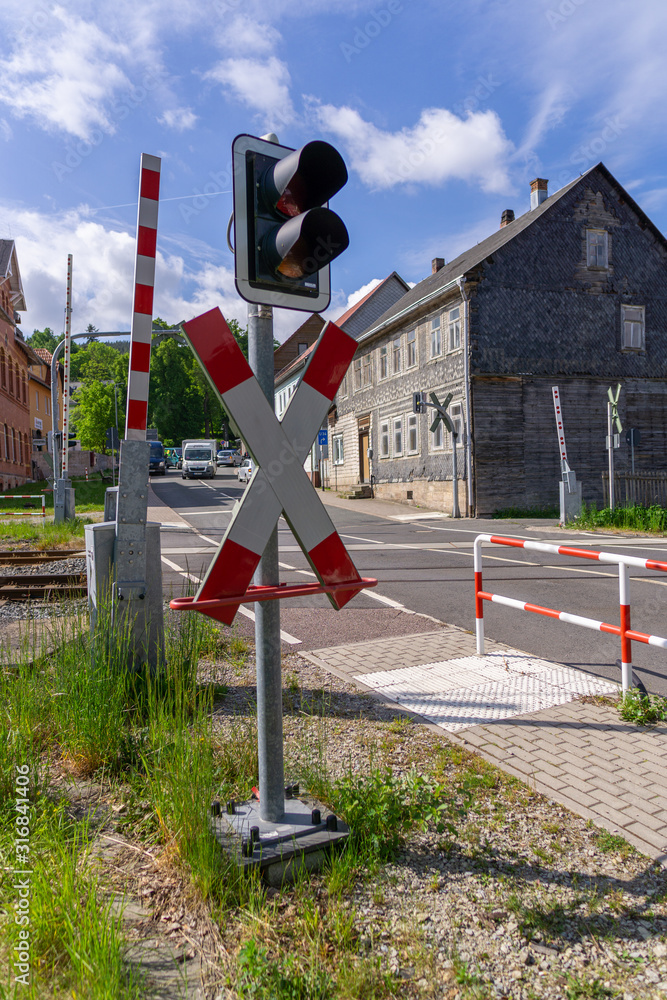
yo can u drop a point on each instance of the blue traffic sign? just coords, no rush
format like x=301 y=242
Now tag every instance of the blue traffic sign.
x=323 y=436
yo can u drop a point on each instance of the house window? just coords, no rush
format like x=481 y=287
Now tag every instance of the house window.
x=597 y=248
x=384 y=439
x=24 y=383
x=11 y=378
x=3 y=370
x=437 y=443
x=343 y=387
x=337 y=447
x=384 y=369
x=357 y=373
x=366 y=369
x=412 y=433
x=633 y=332
x=454 y=328
x=436 y=337
x=37 y=401
x=396 y=355
x=411 y=357
x=398 y=435
x=455 y=416
x=302 y=347
x=6 y=442
x=13 y=445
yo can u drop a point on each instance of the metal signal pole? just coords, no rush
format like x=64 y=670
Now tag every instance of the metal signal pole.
x=267 y=614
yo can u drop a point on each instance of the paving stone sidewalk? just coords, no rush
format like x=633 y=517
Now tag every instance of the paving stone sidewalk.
x=540 y=721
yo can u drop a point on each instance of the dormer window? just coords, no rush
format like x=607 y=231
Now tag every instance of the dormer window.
x=597 y=249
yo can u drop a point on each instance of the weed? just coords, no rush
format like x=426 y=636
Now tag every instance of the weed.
x=264 y=978
x=607 y=841
x=549 y=511
x=642 y=709
x=634 y=517
x=580 y=988
x=400 y=725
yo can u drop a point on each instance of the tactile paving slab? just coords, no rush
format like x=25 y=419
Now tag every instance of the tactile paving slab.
x=471 y=690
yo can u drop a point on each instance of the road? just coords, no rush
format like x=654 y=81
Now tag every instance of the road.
x=424 y=562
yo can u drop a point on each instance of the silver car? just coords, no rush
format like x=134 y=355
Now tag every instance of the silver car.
x=246 y=470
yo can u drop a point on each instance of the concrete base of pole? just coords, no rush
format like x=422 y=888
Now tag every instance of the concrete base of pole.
x=570 y=503
x=307 y=833
x=63 y=501
x=146 y=610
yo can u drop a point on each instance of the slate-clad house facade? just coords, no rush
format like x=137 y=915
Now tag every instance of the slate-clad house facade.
x=573 y=293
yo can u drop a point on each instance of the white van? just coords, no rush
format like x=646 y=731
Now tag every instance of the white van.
x=199 y=460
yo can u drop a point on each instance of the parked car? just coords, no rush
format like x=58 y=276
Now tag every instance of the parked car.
x=156 y=464
x=228 y=456
x=246 y=470
x=172 y=457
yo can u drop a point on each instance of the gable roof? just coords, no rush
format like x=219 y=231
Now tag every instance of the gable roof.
x=9 y=268
x=374 y=303
x=435 y=284
x=288 y=351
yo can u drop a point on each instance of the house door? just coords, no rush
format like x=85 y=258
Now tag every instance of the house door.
x=364 y=466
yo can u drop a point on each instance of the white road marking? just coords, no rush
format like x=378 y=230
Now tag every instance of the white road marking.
x=285 y=636
x=372 y=541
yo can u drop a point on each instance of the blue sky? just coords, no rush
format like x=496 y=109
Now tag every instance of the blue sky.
x=443 y=112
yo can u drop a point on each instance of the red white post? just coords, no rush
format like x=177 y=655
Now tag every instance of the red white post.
x=142 y=310
x=626 y=643
x=479 y=602
x=64 y=465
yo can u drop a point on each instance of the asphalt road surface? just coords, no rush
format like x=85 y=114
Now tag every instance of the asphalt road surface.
x=424 y=562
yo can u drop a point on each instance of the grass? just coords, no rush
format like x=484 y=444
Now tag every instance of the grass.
x=89 y=495
x=652 y=520
x=45 y=535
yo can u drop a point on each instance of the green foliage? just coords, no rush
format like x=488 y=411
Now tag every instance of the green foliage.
x=263 y=978
x=583 y=988
x=632 y=518
x=508 y=512
x=44 y=338
x=94 y=412
x=642 y=709
x=607 y=841
x=381 y=808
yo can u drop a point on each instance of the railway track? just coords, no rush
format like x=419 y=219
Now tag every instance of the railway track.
x=50 y=586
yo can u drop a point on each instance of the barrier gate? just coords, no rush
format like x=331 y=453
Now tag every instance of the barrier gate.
x=627 y=634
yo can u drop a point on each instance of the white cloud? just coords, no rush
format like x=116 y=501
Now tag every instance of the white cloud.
x=179 y=119
x=63 y=79
x=247 y=36
x=439 y=148
x=262 y=86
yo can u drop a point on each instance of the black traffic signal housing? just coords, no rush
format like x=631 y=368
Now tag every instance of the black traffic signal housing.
x=419 y=402
x=285 y=235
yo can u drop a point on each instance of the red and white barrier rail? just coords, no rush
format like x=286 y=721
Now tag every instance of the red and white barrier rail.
x=142 y=309
x=626 y=633
x=21 y=513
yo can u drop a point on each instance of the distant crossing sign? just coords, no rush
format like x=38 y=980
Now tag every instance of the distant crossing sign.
x=280 y=484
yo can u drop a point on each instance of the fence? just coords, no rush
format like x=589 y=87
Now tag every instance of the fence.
x=626 y=633
x=23 y=513
x=644 y=488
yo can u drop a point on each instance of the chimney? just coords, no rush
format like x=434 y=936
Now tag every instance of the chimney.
x=539 y=192
x=436 y=264
x=506 y=217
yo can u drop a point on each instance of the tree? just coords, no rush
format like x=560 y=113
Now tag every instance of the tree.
x=94 y=361
x=94 y=412
x=44 y=338
x=92 y=330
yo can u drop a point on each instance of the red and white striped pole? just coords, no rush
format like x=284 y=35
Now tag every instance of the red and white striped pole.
x=142 y=310
x=479 y=602
x=626 y=644
x=64 y=465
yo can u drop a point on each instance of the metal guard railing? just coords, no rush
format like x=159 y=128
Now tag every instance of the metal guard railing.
x=627 y=634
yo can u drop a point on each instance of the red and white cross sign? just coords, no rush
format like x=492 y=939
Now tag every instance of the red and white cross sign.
x=279 y=449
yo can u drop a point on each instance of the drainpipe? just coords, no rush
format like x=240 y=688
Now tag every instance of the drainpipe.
x=466 y=379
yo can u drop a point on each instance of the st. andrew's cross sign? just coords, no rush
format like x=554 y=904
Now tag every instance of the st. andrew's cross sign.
x=280 y=483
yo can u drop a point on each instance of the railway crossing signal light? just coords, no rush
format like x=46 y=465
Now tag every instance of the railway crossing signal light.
x=285 y=234
x=419 y=402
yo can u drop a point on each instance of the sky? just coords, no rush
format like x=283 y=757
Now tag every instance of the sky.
x=443 y=112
